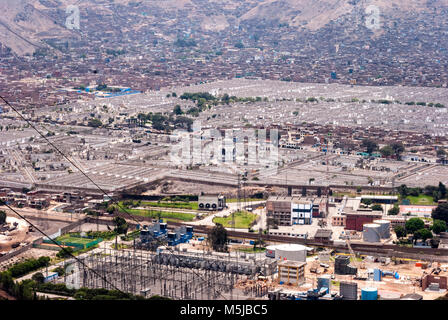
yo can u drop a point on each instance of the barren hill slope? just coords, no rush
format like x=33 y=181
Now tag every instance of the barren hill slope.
x=22 y=26
x=315 y=14
x=25 y=23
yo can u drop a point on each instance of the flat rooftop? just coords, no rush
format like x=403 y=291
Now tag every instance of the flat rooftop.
x=288 y=263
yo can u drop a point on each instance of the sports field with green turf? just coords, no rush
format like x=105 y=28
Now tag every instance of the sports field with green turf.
x=68 y=238
x=243 y=220
x=162 y=214
x=421 y=200
x=179 y=205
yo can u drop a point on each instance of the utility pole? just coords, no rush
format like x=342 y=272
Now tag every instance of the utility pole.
x=326 y=161
x=238 y=203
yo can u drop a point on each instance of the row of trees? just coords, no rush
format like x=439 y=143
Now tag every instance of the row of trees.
x=207 y=98
x=395 y=149
x=24 y=290
x=436 y=192
x=166 y=123
x=22 y=268
x=440 y=213
x=416 y=227
x=374 y=206
x=2 y=217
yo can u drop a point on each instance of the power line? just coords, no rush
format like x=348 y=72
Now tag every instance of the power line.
x=73 y=164
x=56 y=243
x=67 y=158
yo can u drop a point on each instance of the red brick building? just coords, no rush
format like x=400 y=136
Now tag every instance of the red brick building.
x=355 y=221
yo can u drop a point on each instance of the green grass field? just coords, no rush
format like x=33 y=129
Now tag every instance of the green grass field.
x=421 y=200
x=243 y=220
x=179 y=205
x=163 y=214
x=68 y=238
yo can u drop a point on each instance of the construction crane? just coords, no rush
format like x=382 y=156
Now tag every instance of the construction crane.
x=352 y=253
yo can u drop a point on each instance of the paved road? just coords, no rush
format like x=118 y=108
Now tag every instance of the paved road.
x=262 y=222
x=29 y=212
x=53 y=296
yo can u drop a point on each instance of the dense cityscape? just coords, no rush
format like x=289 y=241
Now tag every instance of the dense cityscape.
x=223 y=150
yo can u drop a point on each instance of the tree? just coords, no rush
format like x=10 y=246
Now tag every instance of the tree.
x=436 y=196
x=429 y=190
x=423 y=234
x=387 y=151
x=414 y=224
x=377 y=207
x=398 y=149
x=442 y=190
x=394 y=210
x=403 y=191
x=60 y=271
x=121 y=226
x=239 y=45
x=225 y=98
x=218 y=238
x=65 y=252
x=435 y=243
x=415 y=192
x=303 y=191
x=2 y=217
x=369 y=145
x=177 y=110
x=38 y=277
x=367 y=202
x=441 y=212
x=438 y=226
x=110 y=209
x=158 y=121
x=400 y=231
x=184 y=122
x=95 y=123
x=319 y=191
